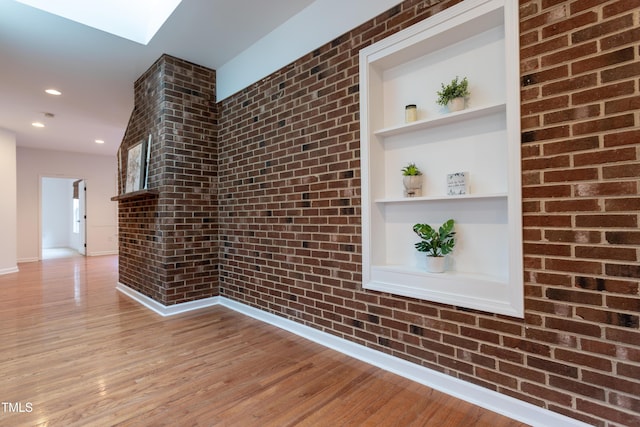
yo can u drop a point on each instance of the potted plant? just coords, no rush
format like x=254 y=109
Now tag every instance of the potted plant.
x=454 y=94
x=436 y=244
x=412 y=180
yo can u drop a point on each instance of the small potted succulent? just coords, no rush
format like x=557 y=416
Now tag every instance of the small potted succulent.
x=453 y=95
x=412 y=180
x=436 y=243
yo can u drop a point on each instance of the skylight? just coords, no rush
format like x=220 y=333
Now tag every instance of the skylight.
x=136 y=20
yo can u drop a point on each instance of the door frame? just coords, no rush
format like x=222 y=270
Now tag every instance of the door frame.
x=41 y=177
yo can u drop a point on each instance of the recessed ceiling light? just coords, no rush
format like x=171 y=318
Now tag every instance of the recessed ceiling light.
x=53 y=92
x=37 y=125
x=99 y=141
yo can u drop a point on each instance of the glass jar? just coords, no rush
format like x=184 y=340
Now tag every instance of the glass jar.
x=410 y=113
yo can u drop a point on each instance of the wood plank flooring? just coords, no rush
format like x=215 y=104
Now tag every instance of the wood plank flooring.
x=75 y=352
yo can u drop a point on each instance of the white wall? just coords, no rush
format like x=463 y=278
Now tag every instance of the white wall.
x=8 y=235
x=57 y=212
x=317 y=24
x=100 y=175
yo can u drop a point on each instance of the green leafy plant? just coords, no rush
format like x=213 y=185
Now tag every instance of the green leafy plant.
x=434 y=242
x=411 y=170
x=455 y=89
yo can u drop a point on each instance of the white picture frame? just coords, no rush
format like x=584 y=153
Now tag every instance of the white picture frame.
x=458 y=184
x=136 y=159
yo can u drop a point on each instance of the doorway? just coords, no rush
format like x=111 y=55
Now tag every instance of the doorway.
x=63 y=216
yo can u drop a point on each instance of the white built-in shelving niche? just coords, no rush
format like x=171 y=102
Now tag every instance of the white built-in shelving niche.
x=477 y=39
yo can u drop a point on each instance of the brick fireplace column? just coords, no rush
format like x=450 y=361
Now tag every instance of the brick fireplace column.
x=168 y=240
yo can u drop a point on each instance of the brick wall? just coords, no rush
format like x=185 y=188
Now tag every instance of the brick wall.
x=289 y=182
x=168 y=244
x=580 y=69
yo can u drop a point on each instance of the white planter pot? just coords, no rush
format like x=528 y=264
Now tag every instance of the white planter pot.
x=456 y=104
x=435 y=264
x=412 y=185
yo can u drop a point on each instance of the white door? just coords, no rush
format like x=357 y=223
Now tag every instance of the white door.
x=82 y=217
x=79 y=218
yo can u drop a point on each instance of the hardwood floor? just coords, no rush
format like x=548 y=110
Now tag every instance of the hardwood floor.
x=75 y=352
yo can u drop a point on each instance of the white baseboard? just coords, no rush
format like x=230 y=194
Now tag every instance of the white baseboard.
x=8 y=270
x=166 y=310
x=21 y=260
x=485 y=398
x=103 y=253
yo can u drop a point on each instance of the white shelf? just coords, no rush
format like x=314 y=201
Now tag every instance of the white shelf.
x=447 y=276
x=478 y=39
x=445 y=119
x=459 y=289
x=441 y=198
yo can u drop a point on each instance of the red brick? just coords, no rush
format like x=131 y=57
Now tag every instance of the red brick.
x=494 y=377
x=611 y=382
x=609 y=284
x=603 y=157
x=573 y=266
x=623 y=237
x=547 y=249
x=599 y=347
x=545 y=191
x=552 y=366
x=582 y=5
x=571 y=145
x=546 y=221
x=502 y=354
x=455 y=364
x=573 y=53
x=608 y=317
x=623 y=105
x=540 y=20
x=602 y=125
x=602 y=93
x=548 y=104
x=622 y=205
x=459 y=342
x=574 y=327
x=606 y=253
x=625 y=402
x=606 y=221
x=602 y=29
x=606 y=189
x=573 y=22
x=577 y=387
x=549 y=336
x=544 y=76
x=551 y=279
x=619 y=73
x=618 y=7
x=617 y=335
x=623 y=303
x=572 y=114
x=617 y=40
x=608 y=412
x=614 y=139
x=528 y=9
x=542 y=163
x=571 y=175
x=573 y=296
x=574 y=205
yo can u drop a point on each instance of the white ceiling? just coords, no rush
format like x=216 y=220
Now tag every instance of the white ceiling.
x=95 y=71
